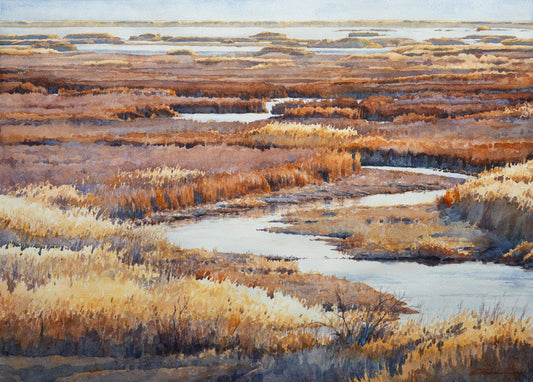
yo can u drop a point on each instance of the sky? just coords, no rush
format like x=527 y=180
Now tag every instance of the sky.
x=477 y=10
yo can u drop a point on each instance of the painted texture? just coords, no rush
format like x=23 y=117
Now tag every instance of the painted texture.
x=110 y=161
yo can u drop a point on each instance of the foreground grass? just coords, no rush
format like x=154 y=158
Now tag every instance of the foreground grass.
x=61 y=296
x=467 y=347
x=123 y=296
x=74 y=282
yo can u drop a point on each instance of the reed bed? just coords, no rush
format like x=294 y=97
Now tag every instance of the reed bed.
x=523 y=110
x=300 y=135
x=28 y=222
x=107 y=299
x=115 y=104
x=160 y=175
x=472 y=150
x=321 y=112
x=522 y=254
x=87 y=302
x=339 y=102
x=500 y=199
x=486 y=345
x=391 y=233
x=139 y=193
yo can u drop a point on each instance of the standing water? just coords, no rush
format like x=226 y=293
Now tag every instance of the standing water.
x=437 y=291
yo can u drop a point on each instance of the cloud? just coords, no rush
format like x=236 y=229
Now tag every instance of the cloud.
x=266 y=10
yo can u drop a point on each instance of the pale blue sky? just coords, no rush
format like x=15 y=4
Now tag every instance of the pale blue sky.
x=482 y=10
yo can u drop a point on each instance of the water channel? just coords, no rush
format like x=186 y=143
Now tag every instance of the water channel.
x=437 y=291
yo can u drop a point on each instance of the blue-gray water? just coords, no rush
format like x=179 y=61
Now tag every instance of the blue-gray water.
x=438 y=290
x=303 y=33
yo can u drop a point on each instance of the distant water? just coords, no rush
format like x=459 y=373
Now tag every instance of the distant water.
x=151 y=48
x=303 y=33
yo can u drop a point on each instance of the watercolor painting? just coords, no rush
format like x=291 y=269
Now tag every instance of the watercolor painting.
x=282 y=190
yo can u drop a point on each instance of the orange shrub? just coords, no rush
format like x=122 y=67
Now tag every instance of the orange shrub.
x=135 y=194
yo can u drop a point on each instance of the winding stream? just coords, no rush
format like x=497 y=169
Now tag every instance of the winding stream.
x=437 y=291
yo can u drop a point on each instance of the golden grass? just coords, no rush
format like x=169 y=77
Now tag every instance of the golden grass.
x=468 y=345
x=500 y=200
x=518 y=41
x=245 y=60
x=63 y=296
x=50 y=297
x=160 y=175
x=25 y=51
x=290 y=50
x=300 y=135
x=522 y=254
x=91 y=35
x=511 y=183
x=181 y=52
x=417 y=238
x=39 y=220
x=115 y=104
x=428 y=50
x=480 y=152
x=324 y=112
x=103 y=298
x=64 y=195
x=524 y=110
x=392 y=232
x=43 y=220
x=89 y=302
x=106 y=63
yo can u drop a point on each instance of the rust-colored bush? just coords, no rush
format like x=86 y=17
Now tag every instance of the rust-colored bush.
x=135 y=194
x=371 y=107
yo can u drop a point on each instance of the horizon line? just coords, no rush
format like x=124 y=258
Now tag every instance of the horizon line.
x=269 y=21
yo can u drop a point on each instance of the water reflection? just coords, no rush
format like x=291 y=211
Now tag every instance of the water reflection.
x=438 y=290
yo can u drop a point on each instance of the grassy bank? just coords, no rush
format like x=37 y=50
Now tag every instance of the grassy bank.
x=135 y=296
x=500 y=200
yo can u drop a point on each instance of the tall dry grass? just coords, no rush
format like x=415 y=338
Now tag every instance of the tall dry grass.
x=468 y=346
x=300 y=135
x=416 y=233
x=121 y=293
x=139 y=193
x=524 y=110
x=522 y=254
x=48 y=222
x=321 y=112
x=115 y=104
x=500 y=199
x=88 y=302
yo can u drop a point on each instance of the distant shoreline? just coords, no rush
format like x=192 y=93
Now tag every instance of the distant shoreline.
x=266 y=24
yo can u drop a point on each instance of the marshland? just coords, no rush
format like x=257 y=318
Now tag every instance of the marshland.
x=266 y=201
